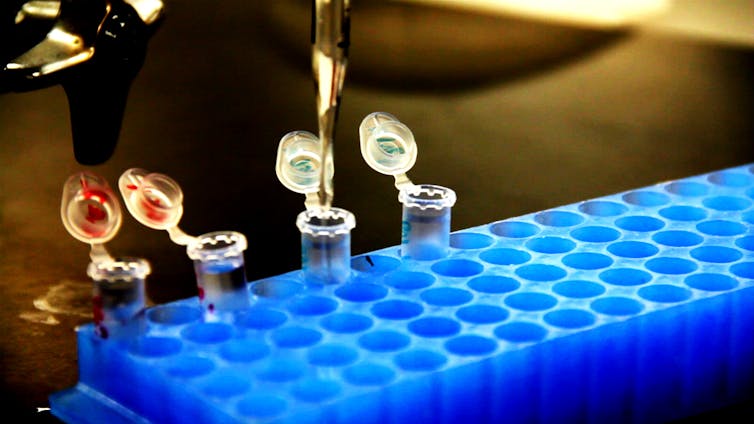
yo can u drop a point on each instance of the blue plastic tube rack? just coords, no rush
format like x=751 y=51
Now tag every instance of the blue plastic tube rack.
x=635 y=307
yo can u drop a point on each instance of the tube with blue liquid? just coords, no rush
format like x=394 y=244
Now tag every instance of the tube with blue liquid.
x=325 y=232
x=326 y=245
x=388 y=146
x=425 y=228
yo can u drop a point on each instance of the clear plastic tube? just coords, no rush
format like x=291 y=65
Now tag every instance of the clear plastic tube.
x=156 y=201
x=388 y=146
x=425 y=232
x=118 y=295
x=326 y=245
x=220 y=272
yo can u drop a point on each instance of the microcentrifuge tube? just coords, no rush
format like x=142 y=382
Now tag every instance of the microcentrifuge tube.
x=91 y=213
x=388 y=146
x=220 y=274
x=425 y=229
x=326 y=245
x=325 y=233
x=118 y=296
x=156 y=201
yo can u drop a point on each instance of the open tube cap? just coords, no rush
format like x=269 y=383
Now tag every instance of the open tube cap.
x=299 y=162
x=89 y=209
x=153 y=199
x=387 y=145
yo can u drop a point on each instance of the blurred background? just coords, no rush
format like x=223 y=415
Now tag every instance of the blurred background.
x=518 y=108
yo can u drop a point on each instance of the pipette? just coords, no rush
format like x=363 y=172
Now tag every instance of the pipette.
x=330 y=41
x=325 y=233
x=91 y=213
x=388 y=146
x=156 y=201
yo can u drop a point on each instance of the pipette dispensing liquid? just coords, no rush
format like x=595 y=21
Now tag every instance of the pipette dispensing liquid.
x=330 y=41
